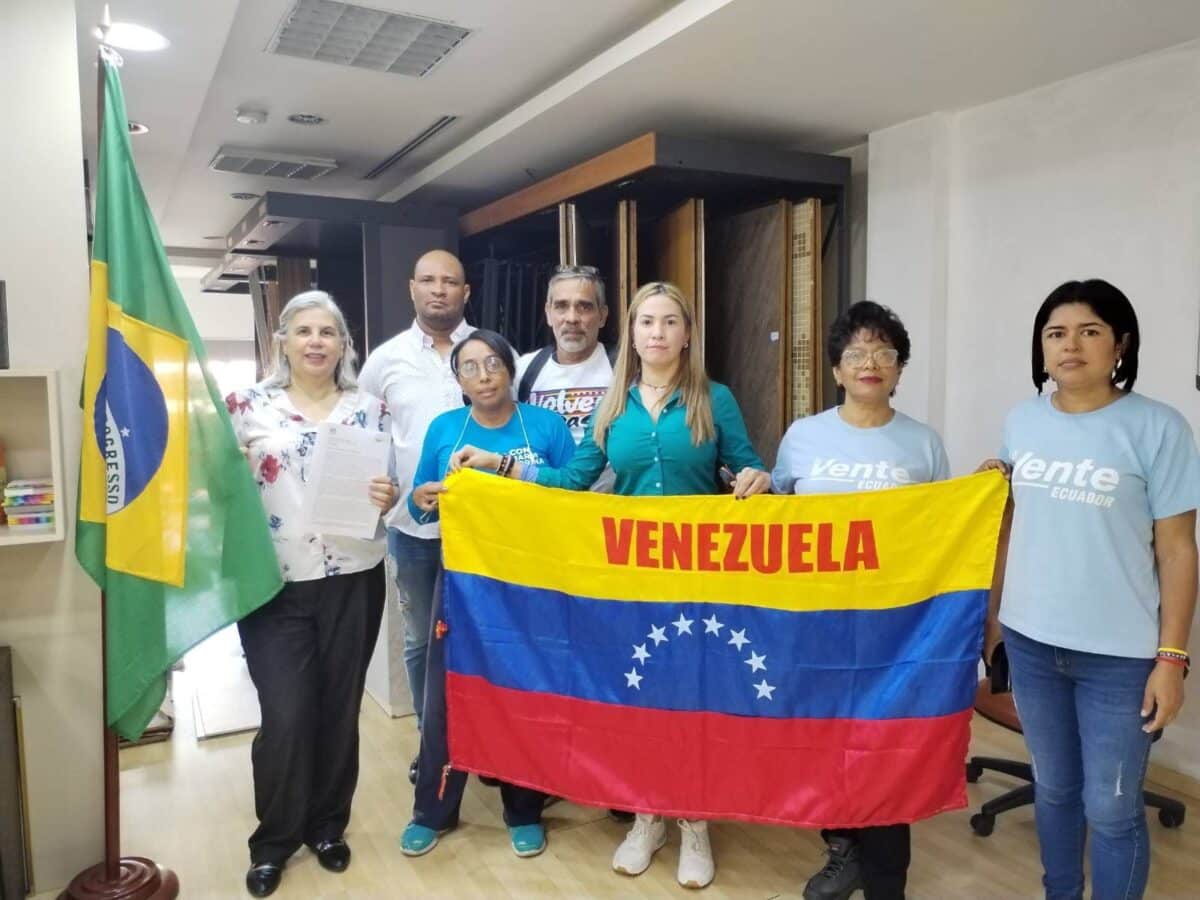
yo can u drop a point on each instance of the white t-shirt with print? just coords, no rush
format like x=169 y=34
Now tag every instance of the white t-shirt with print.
x=574 y=392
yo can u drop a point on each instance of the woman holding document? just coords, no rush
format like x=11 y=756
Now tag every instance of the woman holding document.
x=664 y=428
x=308 y=648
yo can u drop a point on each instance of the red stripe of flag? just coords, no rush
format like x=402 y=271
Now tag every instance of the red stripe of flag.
x=818 y=773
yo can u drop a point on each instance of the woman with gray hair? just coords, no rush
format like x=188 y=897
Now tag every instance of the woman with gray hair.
x=308 y=648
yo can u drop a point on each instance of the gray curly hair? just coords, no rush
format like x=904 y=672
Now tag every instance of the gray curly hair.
x=345 y=374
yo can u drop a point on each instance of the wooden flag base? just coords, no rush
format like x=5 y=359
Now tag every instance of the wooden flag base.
x=138 y=879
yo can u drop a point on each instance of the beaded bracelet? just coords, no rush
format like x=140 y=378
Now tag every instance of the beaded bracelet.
x=506 y=464
x=1172 y=650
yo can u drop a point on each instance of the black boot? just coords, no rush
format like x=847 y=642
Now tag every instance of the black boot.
x=842 y=875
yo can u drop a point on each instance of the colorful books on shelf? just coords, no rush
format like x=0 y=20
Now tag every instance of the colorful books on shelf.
x=29 y=503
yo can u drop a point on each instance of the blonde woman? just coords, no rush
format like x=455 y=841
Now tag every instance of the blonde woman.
x=664 y=427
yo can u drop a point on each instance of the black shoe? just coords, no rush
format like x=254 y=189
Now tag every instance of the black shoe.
x=842 y=875
x=263 y=878
x=333 y=855
x=621 y=815
x=412 y=771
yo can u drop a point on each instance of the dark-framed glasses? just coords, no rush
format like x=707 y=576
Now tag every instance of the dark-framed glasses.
x=885 y=357
x=471 y=369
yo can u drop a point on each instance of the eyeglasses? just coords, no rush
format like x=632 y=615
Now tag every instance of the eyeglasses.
x=885 y=357
x=578 y=271
x=470 y=368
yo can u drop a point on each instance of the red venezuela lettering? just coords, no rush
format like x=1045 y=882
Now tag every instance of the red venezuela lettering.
x=739 y=547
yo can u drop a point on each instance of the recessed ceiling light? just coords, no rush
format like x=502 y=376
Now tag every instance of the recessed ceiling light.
x=244 y=195
x=138 y=128
x=306 y=119
x=249 y=115
x=127 y=36
x=213 y=237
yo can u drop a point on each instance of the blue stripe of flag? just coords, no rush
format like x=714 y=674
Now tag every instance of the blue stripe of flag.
x=914 y=661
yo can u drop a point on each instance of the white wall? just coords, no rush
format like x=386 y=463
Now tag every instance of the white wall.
x=49 y=610
x=974 y=217
x=218 y=317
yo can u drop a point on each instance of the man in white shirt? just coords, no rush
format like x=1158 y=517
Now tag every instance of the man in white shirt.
x=411 y=373
x=571 y=377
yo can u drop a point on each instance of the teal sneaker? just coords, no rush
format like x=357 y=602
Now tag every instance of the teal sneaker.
x=418 y=840
x=527 y=840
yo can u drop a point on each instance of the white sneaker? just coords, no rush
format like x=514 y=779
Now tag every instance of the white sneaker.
x=645 y=838
x=696 y=867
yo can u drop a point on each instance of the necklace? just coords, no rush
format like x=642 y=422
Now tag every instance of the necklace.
x=654 y=387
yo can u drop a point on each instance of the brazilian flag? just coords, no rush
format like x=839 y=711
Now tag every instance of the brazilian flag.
x=170 y=524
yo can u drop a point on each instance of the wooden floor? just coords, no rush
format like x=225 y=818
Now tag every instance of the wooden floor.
x=189 y=806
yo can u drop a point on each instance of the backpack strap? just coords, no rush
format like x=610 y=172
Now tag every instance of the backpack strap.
x=531 y=374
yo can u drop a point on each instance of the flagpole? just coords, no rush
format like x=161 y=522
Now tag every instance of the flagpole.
x=117 y=877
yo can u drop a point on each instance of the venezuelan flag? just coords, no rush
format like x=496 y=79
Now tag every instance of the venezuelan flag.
x=170 y=524
x=806 y=661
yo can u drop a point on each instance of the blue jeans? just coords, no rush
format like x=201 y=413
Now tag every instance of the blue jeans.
x=417 y=562
x=1081 y=713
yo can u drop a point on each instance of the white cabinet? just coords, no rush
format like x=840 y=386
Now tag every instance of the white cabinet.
x=29 y=429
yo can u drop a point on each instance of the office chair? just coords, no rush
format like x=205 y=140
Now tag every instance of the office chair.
x=993 y=701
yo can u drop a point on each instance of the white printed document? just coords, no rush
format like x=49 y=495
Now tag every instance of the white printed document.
x=337 y=499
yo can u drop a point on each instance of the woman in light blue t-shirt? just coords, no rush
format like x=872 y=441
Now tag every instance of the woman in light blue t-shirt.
x=862 y=445
x=1096 y=585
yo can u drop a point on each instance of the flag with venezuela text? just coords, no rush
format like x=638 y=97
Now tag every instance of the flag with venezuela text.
x=801 y=660
x=170 y=524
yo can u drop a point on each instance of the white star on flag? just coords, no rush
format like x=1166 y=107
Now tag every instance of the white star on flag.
x=738 y=638
x=764 y=690
x=633 y=679
x=640 y=653
x=658 y=635
x=125 y=432
x=682 y=625
x=712 y=626
x=756 y=662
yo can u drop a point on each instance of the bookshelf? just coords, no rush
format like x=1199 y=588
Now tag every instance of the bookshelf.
x=29 y=429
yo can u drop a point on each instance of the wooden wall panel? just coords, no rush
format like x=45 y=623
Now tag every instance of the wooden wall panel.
x=747 y=306
x=805 y=337
x=679 y=254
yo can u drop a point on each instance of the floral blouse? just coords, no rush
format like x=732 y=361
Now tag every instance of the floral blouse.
x=281 y=442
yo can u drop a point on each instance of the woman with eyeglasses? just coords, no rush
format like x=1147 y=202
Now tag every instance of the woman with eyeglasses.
x=664 y=427
x=484 y=365
x=879 y=447
x=1097 y=585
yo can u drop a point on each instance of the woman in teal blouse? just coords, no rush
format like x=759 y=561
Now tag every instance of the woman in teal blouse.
x=664 y=427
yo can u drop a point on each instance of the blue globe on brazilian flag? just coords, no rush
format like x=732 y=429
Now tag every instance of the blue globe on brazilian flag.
x=170 y=524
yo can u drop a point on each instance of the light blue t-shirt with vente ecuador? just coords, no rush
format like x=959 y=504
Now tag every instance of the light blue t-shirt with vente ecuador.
x=1087 y=489
x=824 y=454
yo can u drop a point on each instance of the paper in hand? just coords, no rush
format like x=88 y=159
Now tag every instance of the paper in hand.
x=337 y=500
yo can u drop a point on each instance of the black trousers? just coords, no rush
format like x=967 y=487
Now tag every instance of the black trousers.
x=884 y=853
x=440 y=789
x=307 y=651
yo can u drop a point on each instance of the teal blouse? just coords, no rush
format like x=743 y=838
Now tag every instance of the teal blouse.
x=659 y=458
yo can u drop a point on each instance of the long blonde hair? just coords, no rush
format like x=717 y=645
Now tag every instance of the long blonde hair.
x=690 y=378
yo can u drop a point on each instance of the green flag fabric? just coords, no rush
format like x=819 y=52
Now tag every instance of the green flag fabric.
x=170 y=523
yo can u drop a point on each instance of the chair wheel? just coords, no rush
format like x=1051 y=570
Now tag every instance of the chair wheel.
x=982 y=824
x=973 y=772
x=1171 y=818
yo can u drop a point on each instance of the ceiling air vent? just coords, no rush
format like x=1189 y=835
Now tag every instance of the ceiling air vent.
x=244 y=161
x=427 y=134
x=367 y=38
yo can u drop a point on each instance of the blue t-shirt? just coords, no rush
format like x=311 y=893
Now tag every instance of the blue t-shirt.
x=1087 y=489
x=824 y=454
x=532 y=435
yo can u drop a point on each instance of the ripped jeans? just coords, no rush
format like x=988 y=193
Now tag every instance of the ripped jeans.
x=1081 y=713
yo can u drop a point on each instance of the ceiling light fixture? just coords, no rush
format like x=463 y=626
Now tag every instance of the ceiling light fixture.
x=244 y=195
x=213 y=237
x=249 y=115
x=128 y=36
x=138 y=128
x=306 y=119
